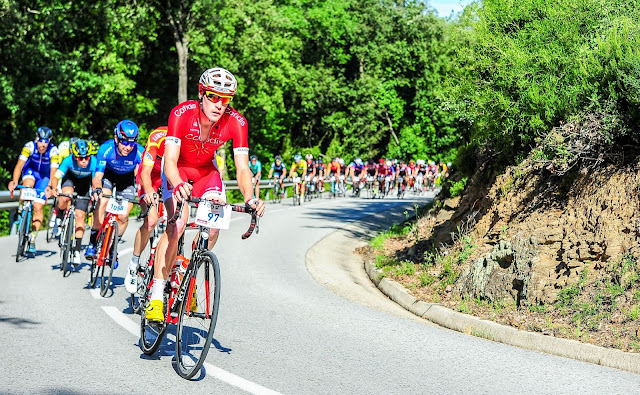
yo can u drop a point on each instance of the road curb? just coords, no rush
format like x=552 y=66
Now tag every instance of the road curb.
x=475 y=326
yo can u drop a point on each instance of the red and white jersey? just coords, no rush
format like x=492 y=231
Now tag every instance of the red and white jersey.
x=184 y=130
x=154 y=150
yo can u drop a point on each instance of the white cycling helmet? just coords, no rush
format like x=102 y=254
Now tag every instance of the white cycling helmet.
x=420 y=162
x=218 y=80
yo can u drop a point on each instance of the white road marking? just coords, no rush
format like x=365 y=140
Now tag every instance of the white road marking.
x=125 y=251
x=121 y=319
x=237 y=381
x=95 y=292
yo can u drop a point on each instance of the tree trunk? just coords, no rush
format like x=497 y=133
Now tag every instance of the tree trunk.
x=182 y=47
x=393 y=133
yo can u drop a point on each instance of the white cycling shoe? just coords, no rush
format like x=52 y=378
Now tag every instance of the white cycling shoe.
x=131 y=281
x=76 y=258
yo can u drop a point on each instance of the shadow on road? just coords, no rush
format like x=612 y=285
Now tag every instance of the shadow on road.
x=373 y=217
x=22 y=323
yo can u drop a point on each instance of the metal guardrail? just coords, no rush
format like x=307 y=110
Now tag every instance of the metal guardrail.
x=8 y=203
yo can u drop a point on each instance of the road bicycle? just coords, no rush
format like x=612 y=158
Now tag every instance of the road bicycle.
x=107 y=243
x=356 y=187
x=67 y=232
x=401 y=187
x=147 y=258
x=309 y=188
x=25 y=217
x=419 y=185
x=51 y=220
x=297 y=185
x=340 y=186
x=276 y=192
x=372 y=187
x=193 y=300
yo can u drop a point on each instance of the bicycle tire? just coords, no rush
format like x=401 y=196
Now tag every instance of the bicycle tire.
x=95 y=269
x=22 y=234
x=52 y=212
x=109 y=261
x=144 y=276
x=69 y=231
x=151 y=334
x=192 y=325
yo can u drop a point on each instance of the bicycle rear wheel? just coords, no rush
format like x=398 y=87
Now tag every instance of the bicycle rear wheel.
x=69 y=231
x=144 y=274
x=151 y=333
x=95 y=269
x=52 y=213
x=108 y=259
x=198 y=314
x=23 y=236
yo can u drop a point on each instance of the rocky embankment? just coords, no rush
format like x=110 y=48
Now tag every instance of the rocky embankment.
x=541 y=252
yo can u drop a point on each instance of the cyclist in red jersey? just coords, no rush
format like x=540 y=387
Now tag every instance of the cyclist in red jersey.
x=196 y=129
x=148 y=180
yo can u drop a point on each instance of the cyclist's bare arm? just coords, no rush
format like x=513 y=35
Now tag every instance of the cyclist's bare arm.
x=244 y=182
x=244 y=174
x=96 y=181
x=171 y=155
x=147 y=185
x=270 y=174
x=17 y=171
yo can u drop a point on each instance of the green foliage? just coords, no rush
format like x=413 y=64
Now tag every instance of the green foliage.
x=457 y=187
x=531 y=65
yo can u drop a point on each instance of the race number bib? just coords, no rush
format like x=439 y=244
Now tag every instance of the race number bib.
x=213 y=215
x=117 y=207
x=28 y=194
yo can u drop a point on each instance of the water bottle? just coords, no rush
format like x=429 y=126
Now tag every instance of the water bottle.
x=178 y=271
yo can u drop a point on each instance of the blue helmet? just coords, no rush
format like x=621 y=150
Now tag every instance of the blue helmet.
x=80 y=148
x=44 y=132
x=127 y=130
x=297 y=157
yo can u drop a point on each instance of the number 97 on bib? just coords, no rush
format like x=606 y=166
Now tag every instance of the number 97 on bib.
x=213 y=216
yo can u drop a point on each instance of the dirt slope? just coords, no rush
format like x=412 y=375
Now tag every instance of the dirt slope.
x=533 y=250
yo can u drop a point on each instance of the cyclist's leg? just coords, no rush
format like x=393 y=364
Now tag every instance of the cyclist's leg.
x=210 y=187
x=257 y=188
x=166 y=251
x=38 y=204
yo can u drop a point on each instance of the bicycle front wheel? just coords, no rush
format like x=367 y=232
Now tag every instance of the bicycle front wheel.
x=144 y=275
x=22 y=234
x=52 y=214
x=108 y=256
x=198 y=314
x=151 y=333
x=67 y=247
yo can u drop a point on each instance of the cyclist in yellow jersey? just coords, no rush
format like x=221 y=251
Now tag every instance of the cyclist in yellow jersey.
x=299 y=167
x=64 y=149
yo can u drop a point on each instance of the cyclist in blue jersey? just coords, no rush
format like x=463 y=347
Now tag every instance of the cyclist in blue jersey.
x=256 y=169
x=37 y=164
x=278 y=171
x=76 y=172
x=118 y=160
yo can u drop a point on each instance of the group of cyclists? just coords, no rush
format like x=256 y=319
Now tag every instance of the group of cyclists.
x=381 y=177
x=178 y=163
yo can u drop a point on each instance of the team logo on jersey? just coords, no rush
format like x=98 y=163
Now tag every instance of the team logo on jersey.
x=236 y=115
x=184 y=109
x=210 y=140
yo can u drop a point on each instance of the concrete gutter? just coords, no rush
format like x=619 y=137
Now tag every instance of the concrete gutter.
x=349 y=263
x=490 y=330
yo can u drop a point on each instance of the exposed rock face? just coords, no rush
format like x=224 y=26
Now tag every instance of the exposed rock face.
x=504 y=272
x=575 y=221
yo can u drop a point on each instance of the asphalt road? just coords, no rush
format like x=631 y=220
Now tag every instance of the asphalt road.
x=279 y=330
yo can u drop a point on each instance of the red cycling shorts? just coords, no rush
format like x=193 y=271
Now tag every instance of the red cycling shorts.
x=206 y=182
